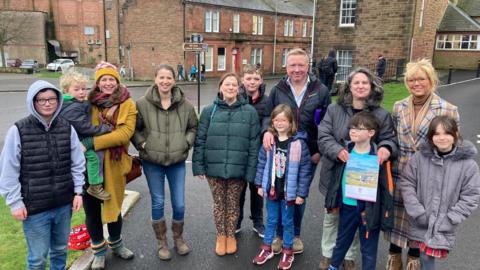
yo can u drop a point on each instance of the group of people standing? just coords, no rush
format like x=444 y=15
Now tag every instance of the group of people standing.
x=428 y=181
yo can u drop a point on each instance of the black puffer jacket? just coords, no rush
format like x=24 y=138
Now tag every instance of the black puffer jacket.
x=260 y=103
x=310 y=112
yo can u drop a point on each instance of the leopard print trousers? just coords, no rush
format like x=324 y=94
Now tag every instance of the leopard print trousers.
x=226 y=203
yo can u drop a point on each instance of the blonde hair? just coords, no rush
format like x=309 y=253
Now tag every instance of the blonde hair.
x=298 y=51
x=426 y=66
x=251 y=69
x=70 y=78
x=283 y=108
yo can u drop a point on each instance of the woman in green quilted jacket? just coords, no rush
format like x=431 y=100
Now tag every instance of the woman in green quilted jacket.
x=225 y=154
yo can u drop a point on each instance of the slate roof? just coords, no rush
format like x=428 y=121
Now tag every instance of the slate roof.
x=292 y=7
x=457 y=20
x=471 y=7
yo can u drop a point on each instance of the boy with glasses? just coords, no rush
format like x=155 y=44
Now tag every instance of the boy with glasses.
x=41 y=176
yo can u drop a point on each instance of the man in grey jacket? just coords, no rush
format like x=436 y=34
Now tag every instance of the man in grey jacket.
x=41 y=176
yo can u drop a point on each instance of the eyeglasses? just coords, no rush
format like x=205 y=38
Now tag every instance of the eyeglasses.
x=357 y=128
x=414 y=80
x=43 y=101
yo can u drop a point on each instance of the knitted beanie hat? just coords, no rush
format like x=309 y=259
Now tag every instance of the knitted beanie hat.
x=105 y=68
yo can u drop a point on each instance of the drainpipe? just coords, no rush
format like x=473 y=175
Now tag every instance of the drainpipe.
x=105 y=31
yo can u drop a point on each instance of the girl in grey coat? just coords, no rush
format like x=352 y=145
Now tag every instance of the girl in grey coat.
x=440 y=188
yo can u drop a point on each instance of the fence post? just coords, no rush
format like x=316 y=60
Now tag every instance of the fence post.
x=449 y=74
x=478 y=69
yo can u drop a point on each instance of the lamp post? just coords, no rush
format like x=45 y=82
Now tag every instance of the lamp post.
x=313 y=36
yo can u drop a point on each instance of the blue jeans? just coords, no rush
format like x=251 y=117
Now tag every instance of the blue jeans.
x=350 y=221
x=155 y=175
x=47 y=234
x=274 y=208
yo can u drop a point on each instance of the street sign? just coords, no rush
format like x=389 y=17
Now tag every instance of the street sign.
x=195 y=47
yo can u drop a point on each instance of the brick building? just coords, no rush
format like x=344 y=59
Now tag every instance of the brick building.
x=237 y=33
x=458 y=36
x=360 y=30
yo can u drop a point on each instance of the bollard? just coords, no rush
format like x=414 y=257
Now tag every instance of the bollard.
x=478 y=69
x=449 y=74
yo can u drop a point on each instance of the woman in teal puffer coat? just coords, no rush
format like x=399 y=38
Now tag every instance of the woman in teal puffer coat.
x=225 y=154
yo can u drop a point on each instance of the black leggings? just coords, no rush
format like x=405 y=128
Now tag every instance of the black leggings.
x=414 y=252
x=93 y=216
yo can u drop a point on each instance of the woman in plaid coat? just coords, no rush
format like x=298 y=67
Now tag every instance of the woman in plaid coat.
x=411 y=117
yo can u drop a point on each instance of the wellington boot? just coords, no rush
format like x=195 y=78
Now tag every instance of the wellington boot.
x=221 y=245
x=160 y=229
x=394 y=261
x=179 y=243
x=98 y=192
x=231 y=245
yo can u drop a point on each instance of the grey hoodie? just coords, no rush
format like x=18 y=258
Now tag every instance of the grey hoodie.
x=11 y=153
x=440 y=192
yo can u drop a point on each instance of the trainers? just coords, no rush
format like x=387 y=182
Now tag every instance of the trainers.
x=238 y=229
x=349 y=265
x=265 y=254
x=297 y=245
x=287 y=259
x=98 y=192
x=259 y=229
x=277 y=245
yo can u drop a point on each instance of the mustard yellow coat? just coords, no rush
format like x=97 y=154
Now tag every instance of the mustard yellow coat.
x=114 y=171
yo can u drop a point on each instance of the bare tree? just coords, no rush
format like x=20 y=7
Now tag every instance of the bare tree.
x=14 y=28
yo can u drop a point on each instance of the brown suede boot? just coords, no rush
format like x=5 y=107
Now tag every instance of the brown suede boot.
x=160 y=229
x=231 y=244
x=179 y=243
x=98 y=192
x=413 y=263
x=221 y=245
x=394 y=261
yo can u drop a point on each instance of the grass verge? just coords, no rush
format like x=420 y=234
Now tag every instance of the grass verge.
x=43 y=73
x=13 y=247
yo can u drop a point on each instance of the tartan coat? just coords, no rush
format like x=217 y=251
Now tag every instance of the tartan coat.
x=408 y=145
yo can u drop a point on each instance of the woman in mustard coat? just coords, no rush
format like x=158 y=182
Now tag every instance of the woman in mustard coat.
x=111 y=104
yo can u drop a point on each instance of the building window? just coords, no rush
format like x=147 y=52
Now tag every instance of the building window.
x=208 y=59
x=344 y=60
x=304 y=28
x=236 y=23
x=288 y=28
x=257 y=25
x=347 y=12
x=284 y=57
x=458 y=42
x=221 y=59
x=89 y=30
x=212 y=21
x=256 y=56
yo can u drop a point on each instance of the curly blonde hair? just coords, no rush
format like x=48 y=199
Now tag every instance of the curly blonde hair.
x=70 y=78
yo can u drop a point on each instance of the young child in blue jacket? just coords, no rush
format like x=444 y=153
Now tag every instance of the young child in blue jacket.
x=283 y=177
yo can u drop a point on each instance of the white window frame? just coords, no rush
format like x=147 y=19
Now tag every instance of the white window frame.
x=284 y=56
x=345 y=63
x=256 y=55
x=208 y=21
x=348 y=10
x=216 y=21
x=208 y=59
x=89 y=30
x=221 y=59
x=257 y=25
x=288 y=28
x=236 y=23
x=454 y=42
x=304 y=28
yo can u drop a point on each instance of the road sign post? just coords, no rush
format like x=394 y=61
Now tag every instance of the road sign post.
x=198 y=48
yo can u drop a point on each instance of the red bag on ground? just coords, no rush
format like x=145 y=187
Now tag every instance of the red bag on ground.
x=79 y=239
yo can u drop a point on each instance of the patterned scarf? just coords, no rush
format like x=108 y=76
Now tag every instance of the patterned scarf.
x=417 y=117
x=108 y=105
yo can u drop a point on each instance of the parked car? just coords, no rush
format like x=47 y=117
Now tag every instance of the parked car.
x=14 y=62
x=60 y=64
x=30 y=64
